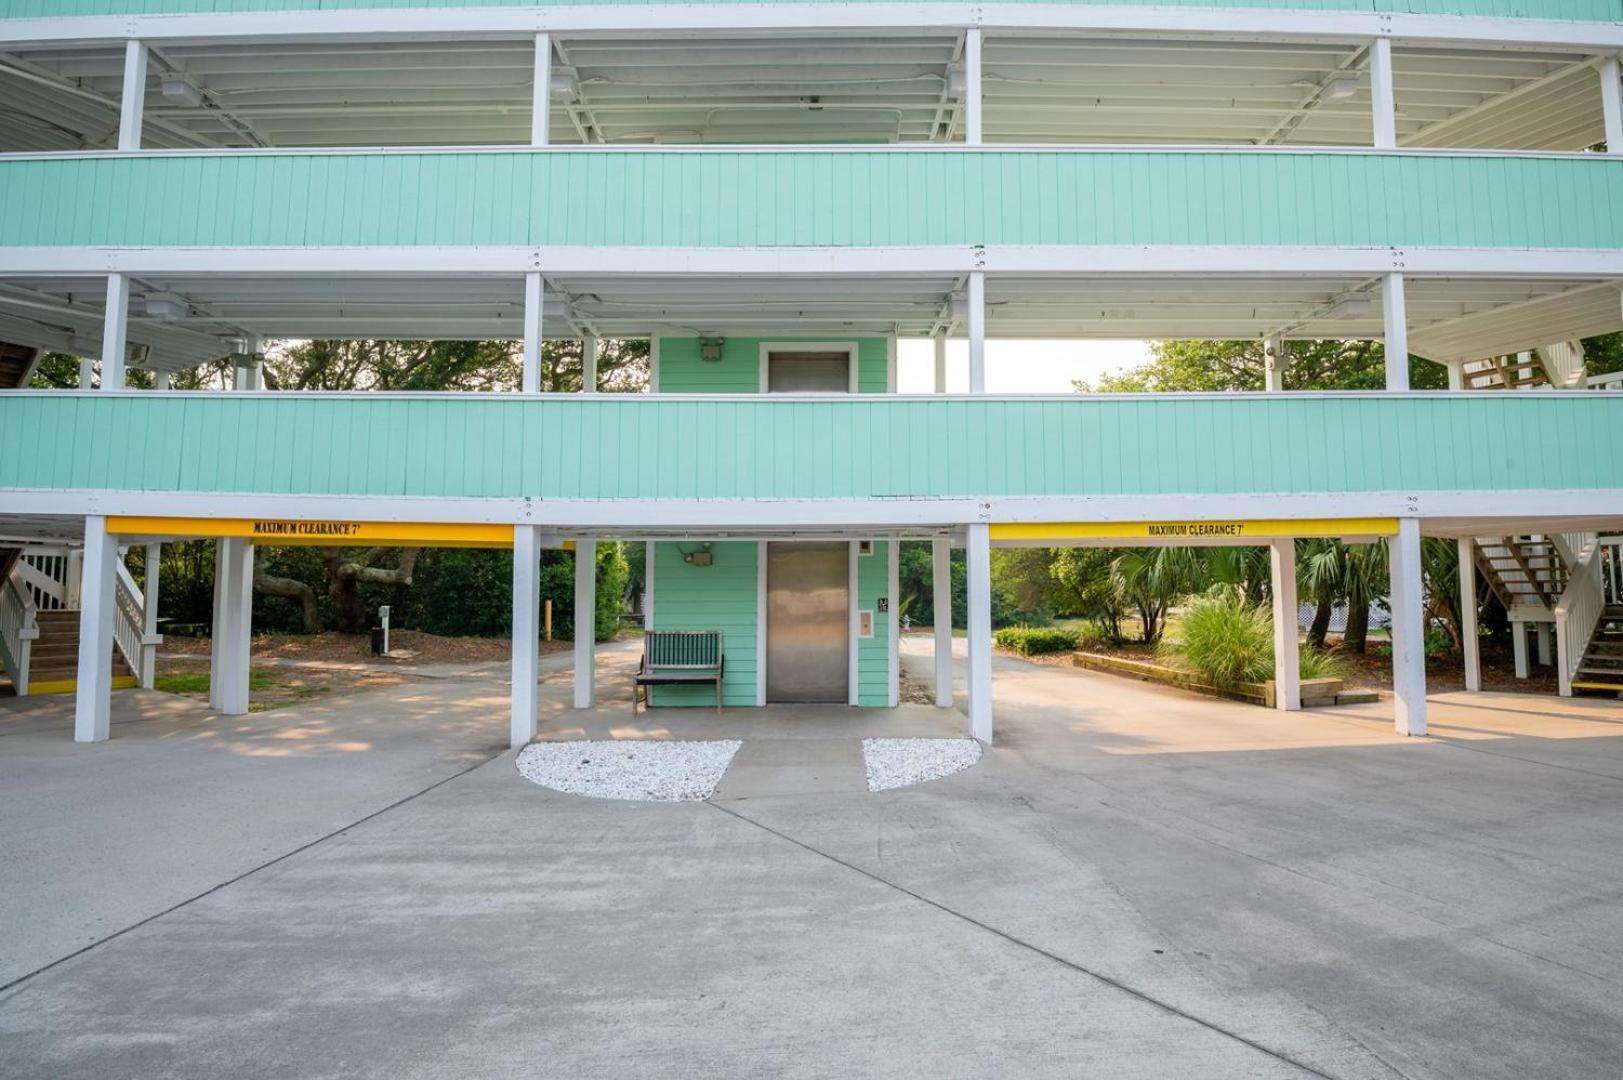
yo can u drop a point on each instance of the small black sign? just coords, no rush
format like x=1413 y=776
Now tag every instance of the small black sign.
x=884 y=603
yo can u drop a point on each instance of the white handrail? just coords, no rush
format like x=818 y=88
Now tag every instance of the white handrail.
x=44 y=574
x=18 y=630
x=1578 y=613
x=1611 y=569
x=129 y=617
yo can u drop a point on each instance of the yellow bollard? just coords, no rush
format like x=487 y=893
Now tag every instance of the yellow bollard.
x=546 y=620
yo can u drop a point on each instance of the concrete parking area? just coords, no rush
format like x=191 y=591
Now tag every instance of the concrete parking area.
x=1133 y=882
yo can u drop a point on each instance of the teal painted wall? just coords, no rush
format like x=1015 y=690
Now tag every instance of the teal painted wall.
x=681 y=371
x=841 y=198
x=1546 y=9
x=754 y=446
x=722 y=596
x=873 y=653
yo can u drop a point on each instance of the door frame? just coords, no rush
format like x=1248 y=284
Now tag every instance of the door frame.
x=852 y=607
x=767 y=348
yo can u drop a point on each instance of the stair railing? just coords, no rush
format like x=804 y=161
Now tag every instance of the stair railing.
x=1578 y=613
x=18 y=630
x=45 y=573
x=1611 y=569
x=129 y=624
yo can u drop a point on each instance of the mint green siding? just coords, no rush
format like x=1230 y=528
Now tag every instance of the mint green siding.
x=722 y=596
x=755 y=446
x=681 y=371
x=846 y=198
x=1544 y=9
x=873 y=653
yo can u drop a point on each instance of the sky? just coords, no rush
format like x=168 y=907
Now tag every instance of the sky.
x=1015 y=367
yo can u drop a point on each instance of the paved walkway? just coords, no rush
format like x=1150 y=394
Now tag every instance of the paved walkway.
x=1133 y=883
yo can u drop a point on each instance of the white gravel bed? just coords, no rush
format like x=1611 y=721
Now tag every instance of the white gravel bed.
x=894 y=763
x=614 y=769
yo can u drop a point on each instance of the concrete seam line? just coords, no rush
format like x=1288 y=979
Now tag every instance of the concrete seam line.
x=1114 y=984
x=211 y=890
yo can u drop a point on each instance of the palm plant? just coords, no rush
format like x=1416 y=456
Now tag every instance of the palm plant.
x=1153 y=579
x=1356 y=574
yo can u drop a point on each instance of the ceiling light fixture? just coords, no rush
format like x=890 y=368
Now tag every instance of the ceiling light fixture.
x=179 y=91
x=1342 y=88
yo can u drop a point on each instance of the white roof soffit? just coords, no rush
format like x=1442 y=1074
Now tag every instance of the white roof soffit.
x=798 y=87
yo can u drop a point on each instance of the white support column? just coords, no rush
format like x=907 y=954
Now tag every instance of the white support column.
x=1287 y=647
x=1518 y=647
x=1456 y=375
x=115 y=332
x=585 y=623
x=249 y=375
x=1408 y=630
x=941 y=599
x=972 y=86
x=1470 y=646
x=893 y=620
x=541 y=116
x=977 y=332
x=1541 y=634
x=229 y=662
x=87 y=372
x=160 y=381
x=526 y=632
x=588 y=365
x=535 y=297
x=132 y=105
x=1611 y=104
x=1383 y=100
x=941 y=363
x=979 y=550
x=149 y=614
x=1395 y=311
x=1275 y=359
x=92 y=707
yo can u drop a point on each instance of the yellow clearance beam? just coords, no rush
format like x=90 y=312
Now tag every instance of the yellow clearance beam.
x=303 y=532
x=1191 y=532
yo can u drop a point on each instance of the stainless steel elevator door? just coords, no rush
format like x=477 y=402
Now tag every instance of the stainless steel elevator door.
x=808 y=622
x=808 y=373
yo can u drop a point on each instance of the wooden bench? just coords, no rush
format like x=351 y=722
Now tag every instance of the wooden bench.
x=677 y=657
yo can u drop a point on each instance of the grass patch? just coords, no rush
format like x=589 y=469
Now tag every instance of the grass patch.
x=197 y=682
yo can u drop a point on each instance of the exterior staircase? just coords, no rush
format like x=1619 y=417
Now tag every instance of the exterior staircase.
x=39 y=622
x=16 y=365
x=1559 y=365
x=1602 y=665
x=1527 y=573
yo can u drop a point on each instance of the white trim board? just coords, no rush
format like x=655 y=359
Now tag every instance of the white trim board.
x=615 y=20
x=760 y=622
x=946 y=260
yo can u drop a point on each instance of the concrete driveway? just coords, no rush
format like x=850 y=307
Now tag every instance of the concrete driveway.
x=1133 y=883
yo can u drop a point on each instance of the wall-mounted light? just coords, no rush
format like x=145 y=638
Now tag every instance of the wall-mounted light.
x=710 y=348
x=702 y=557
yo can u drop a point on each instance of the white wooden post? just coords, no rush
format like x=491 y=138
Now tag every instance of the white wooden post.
x=132 y=105
x=87 y=373
x=979 y=551
x=1518 y=647
x=1470 y=646
x=1541 y=635
x=92 y=706
x=160 y=381
x=893 y=622
x=1611 y=104
x=941 y=363
x=1287 y=647
x=585 y=622
x=1395 y=312
x=972 y=86
x=233 y=626
x=1383 y=100
x=1408 y=630
x=1274 y=360
x=1456 y=375
x=588 y=365
x=941 y=598
x=977 y=332
x=149 y=614
x=535 y=296
x=541 y=114
x=526 y=632
x=247 y=377
x=115 y=332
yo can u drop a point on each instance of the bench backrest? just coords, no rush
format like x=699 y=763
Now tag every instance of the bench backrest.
x=682 y=648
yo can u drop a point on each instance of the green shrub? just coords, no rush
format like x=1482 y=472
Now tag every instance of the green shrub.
x=1093 y=634
x=1031 y=640
x=1225 y=639
x=1320 y=664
